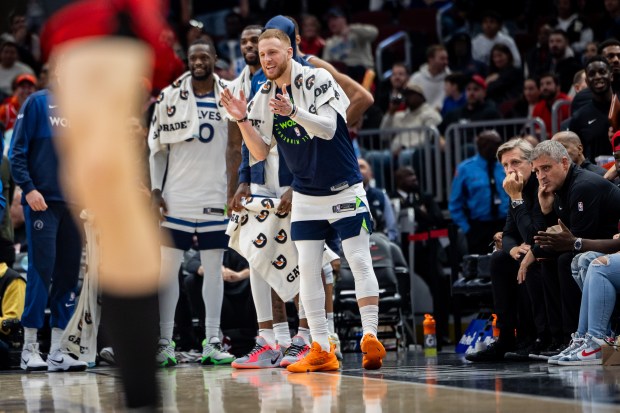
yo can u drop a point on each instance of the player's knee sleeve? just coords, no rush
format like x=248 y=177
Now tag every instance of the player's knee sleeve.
x=357 y=252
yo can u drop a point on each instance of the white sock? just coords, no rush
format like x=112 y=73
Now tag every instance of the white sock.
x=169 y=290
x=269 y=336
x=212 y=328
x=330 y=323
x=212 y=290
x=370 y=318
x=283 y=334
x=305 y=334
x=56 y=335
x=30 y=336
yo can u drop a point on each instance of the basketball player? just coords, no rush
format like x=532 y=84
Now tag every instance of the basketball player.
x=313 y=138
x=188 y=139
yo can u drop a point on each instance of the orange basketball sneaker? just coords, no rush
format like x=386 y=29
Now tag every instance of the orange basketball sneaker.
x=316 y=360
x=373 y=352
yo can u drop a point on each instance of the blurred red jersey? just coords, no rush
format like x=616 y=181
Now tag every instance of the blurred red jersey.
x=95 y=18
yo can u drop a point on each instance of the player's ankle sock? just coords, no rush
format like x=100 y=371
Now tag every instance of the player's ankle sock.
x=283 y=334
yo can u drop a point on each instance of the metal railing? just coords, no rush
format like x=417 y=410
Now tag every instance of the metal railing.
x=556 y=116
x=388 y=42
x=419 y=147
x=460 y=138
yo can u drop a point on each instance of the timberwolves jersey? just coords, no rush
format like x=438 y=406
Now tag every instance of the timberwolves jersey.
x=196 y=177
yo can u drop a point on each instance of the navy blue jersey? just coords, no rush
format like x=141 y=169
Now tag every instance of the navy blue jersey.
x=319 y=166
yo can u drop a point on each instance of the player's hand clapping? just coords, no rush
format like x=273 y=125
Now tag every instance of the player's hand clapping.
x=236 y=107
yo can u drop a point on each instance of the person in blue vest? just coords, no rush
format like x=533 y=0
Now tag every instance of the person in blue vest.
x=478 y=204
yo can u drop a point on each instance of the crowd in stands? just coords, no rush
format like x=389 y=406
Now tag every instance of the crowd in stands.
x=558 y=61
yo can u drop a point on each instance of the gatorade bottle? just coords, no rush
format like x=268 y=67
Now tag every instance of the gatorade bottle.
x=495 y=329
x=430 y=340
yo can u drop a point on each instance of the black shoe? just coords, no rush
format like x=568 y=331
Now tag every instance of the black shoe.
x=522 y=352
x=552 y=349
x=537 y=349
x=493 y=353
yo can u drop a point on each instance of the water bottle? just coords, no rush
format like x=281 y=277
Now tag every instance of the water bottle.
x=430 y=339
x=495 y=328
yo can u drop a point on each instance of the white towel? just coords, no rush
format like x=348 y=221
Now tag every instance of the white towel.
x=262 y=237
x=241 y=82
x=80 y=336
x=311 y=89
x=177 y=117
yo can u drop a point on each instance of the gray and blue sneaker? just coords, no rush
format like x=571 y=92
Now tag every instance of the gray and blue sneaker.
x=589 y=353
x=213 y=354
x=576 y=342
x=165 y=356
x=295 y=352
x=262 y=356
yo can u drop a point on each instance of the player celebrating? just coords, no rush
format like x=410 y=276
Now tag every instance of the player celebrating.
x=304 y=111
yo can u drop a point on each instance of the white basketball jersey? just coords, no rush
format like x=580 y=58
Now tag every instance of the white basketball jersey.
x=196 y=178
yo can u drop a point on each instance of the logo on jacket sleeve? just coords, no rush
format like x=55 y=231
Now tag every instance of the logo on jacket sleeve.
x=184 y=94
x=244 y=220
x=171 y=110
x=281 y=237
x=310 y=82
x=279 y=262
x=262 y=216
x=260 y=241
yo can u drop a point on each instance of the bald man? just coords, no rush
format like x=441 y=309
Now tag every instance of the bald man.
x=574 y=147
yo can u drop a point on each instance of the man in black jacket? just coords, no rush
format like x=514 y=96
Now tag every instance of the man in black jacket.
x=591 y=122
x=588 y=205
x=514 y=303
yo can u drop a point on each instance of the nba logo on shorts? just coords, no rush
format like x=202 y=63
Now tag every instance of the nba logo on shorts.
x=580 y=206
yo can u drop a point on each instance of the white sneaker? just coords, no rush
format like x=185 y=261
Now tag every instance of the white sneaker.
x=165 y=353
x=31 y=358
x=575 y=343
x=58 y=360
x=107 y=354
x=334 y=339
x=212 y=353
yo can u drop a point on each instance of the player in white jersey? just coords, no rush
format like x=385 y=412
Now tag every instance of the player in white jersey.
x=188 y=139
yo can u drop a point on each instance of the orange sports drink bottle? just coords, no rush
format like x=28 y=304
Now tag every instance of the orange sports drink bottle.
x=430 y=340
x=495 y=329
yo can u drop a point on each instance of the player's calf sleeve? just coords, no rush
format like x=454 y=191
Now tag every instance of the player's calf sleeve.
x=132 y=326
x=212 y=290
x=311 y=291
x=328 y=271
x=261 y=293
x=169 y=290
